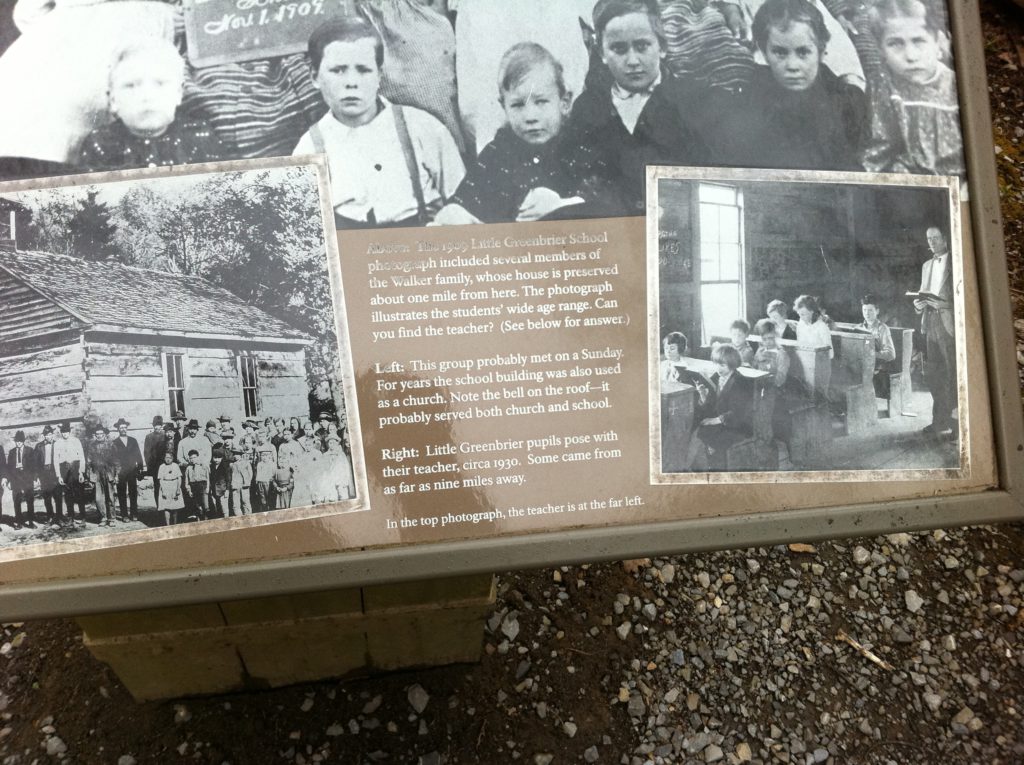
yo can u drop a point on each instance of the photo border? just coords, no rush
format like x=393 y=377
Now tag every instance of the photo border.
x=658 y=173
x=360 y=503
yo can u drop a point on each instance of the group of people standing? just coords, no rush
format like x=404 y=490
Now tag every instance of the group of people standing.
x=195 y=475
x=534 y=111
x=67 y=472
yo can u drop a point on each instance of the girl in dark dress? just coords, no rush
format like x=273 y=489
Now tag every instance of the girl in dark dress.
x=795 y=113
x=639 y=115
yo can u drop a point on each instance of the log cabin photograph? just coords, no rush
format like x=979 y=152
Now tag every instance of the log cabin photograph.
x=805 y=326
x=169 y=355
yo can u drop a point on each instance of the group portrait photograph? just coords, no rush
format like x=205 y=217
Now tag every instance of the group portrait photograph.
x=807 y=326
x=170 y=354
x=445 y=112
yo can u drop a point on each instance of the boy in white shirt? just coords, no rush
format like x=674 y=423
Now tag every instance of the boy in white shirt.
x=390 y=165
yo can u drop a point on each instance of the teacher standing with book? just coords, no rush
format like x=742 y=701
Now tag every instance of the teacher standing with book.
x=935 y=304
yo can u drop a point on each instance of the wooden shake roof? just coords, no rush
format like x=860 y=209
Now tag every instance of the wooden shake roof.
x=118 y=298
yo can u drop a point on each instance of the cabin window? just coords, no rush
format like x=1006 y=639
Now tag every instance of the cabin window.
x=721 y=258
x=250 y=386
x=173 y=363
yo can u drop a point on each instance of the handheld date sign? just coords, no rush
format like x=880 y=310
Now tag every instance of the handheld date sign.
x=280 y=332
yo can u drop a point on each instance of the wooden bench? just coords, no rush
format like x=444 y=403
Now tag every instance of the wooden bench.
x=852 y=384
x=678 y=402
x=810 y=431
x=898 y=370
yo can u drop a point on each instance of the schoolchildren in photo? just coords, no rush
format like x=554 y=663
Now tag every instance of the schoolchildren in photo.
x=816 y=333
x=148 y=387
x=437 y=112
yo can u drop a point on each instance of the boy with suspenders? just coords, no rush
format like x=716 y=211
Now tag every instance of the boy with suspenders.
x=390 y=165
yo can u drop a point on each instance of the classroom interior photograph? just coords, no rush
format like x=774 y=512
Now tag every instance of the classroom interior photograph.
x=804 y=326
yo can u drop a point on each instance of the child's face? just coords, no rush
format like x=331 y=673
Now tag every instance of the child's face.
x=739 y=337
x=534 y=108
x=349 y=80
x=724 y=370
x=793 y=55
x=632 y=52
x=145 y=91
x=910 y=49
x=266 y=456
x=193 y=459
x=778 y=317
x=672 y=352
x=168 y=458
x=804 y=313
x=869 y=312
x=768 y=340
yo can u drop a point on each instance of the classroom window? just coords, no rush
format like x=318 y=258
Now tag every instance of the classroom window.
x=173 y=365
x=721 y=258
x=250 y=386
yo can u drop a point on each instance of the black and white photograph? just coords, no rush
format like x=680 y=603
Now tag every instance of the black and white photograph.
x=806 y=326
x=173 y=351
x=480 y=111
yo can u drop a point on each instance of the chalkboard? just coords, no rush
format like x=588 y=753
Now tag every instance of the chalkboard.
x=222 y=31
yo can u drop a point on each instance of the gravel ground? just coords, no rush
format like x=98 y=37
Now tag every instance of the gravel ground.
x=898 y=650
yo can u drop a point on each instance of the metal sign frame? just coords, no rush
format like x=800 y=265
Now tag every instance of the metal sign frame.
x=363 y=567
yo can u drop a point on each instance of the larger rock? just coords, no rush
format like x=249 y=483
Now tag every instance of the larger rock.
x=913 y=601
x=713 y=753
x=418 y=698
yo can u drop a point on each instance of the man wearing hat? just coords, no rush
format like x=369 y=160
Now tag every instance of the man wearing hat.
x=180 y=421
x=70 y=458
x=126 y=454
x=193 y=440
x=153 y=449
x=21 y=473
x=102 y=472
x=46 y=472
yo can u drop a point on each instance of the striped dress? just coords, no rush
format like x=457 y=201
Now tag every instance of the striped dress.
x=257 y=108
x=700 y=46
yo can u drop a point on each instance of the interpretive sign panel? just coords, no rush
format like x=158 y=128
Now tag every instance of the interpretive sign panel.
x=530 y=358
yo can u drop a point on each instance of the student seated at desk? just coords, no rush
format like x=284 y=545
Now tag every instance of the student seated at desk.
x=811 y=330
x=739 y=330
x=724 y=411
x=778 y=313
x=885 y=350
x=769 y=356
x=673 y=347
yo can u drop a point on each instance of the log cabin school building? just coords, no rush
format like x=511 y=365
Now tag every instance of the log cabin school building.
x=728 y=249
x=92 y=342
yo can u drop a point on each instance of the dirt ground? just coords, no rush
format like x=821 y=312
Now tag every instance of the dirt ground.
x=53 y=689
